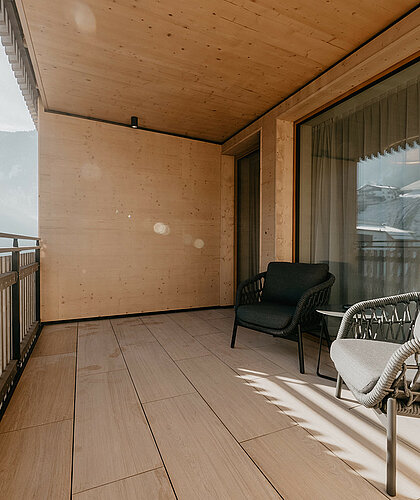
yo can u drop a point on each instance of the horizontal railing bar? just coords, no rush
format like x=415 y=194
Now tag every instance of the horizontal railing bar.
x=27 y=270
x=18 y=236
x=7 y=279
x=16 y=249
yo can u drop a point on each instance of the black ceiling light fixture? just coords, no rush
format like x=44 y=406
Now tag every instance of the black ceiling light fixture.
x=134 y=122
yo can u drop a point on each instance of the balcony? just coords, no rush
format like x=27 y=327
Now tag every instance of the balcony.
x=117 y=379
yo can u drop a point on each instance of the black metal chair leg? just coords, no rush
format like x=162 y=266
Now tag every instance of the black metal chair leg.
x=235 y=327
x=300 y=351
x=323 y=334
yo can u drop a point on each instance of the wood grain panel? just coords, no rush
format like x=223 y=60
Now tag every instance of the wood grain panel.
x=284 y=191
x=244 y=361
x=36 y=462
x=202 y=458
x=219 y=65
x=140 y=212
x=56 y=339
x=227 y=231
x=175 y=340
x=153 y=485
x=154 y=373
x=131 y=331
x=44 y=394
x=293 y=453
x=98 y=349
x=245 y=412
x=111 y=438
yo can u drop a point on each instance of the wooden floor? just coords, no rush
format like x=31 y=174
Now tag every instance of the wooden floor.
x=160 y=407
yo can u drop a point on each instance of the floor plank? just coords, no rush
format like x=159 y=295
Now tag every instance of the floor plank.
x=44 y=394
x=193 y=324
x=408 y=428
x=98 y=349
x=244 y=361
x=284 y=353
x=245 y=412
x=178 y=343
x=247 y=337
x=152 y=485
x=310 y=401
x=209 y=314
x=114 y=450
x=131 y=331
x=202 y=458
x=56 y=339
x=112 y=439
x=154 y=373
x=293 y=453
x=35 y=463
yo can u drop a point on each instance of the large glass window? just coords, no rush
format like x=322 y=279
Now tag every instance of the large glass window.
x=360 y=190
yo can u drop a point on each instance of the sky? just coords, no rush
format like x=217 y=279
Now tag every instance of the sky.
x=14 y=115
x=18 y=158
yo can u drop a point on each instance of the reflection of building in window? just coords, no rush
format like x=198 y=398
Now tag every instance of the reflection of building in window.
x=370 y=194
x=390 y=213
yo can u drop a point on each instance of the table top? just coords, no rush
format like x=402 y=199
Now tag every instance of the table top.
x=335 y=310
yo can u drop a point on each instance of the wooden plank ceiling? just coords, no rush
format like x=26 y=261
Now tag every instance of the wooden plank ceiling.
x=198 y=68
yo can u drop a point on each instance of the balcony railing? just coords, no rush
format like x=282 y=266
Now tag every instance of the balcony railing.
x=393 y=269
x=19 y=309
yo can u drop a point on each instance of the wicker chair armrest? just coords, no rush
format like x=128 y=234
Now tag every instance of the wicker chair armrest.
x=393 y=380
x=355 y=311
x=249 y=291
x=313 y=298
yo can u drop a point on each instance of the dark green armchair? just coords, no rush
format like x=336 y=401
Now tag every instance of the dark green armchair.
x=282 y=300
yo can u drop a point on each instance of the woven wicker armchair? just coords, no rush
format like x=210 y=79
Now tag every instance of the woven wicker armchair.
x=282 y=300
x=377 y=355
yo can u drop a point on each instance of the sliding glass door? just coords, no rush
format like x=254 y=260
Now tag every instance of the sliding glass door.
x=248 y=216
x=360 y=190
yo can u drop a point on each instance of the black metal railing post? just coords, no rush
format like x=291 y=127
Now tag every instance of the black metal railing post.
x=16 y=304
x=38 y=283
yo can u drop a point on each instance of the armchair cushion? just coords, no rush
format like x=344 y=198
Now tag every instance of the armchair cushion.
x=285 y=282
x=361 y=362
x=266 y=314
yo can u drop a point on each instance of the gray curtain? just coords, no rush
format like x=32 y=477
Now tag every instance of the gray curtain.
x=379 y=127
x=248 y=216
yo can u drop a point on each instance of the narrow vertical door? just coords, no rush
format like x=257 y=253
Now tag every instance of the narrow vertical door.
x=248 y=216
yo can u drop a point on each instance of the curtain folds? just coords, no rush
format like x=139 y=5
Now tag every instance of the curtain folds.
x=391 y=122
x=380 y=127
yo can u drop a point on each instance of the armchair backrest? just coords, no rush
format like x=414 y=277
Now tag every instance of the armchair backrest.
x=285 y=282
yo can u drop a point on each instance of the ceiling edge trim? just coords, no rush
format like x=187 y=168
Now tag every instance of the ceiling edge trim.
x=127 y=125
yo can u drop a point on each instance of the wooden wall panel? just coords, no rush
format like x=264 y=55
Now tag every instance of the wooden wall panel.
x=227 y=230
x=267 y=193
x=130 y=220
x=284 y=190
